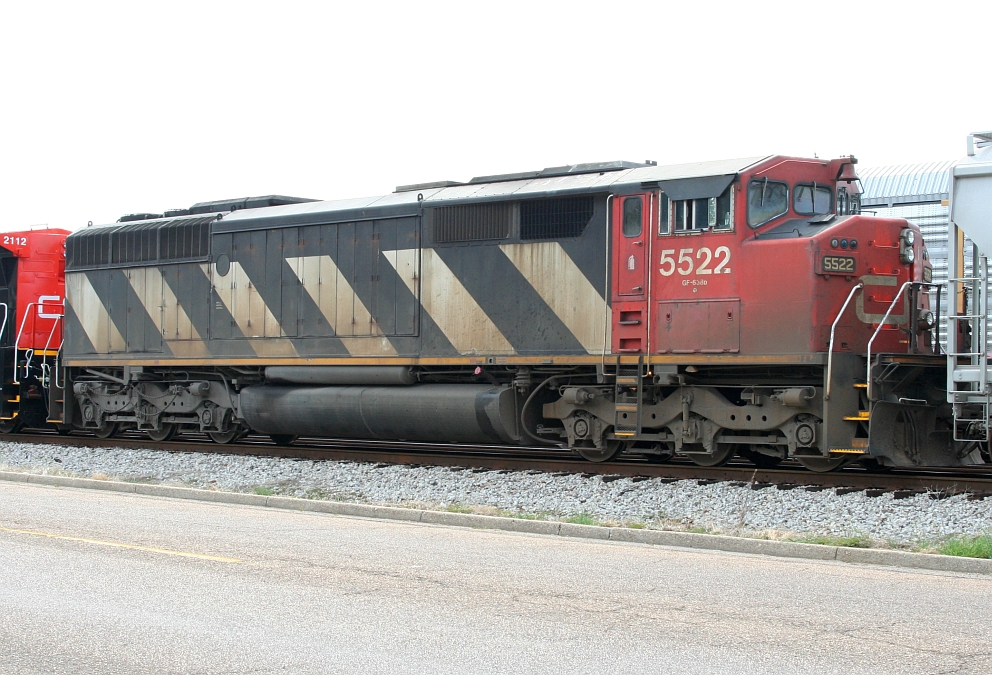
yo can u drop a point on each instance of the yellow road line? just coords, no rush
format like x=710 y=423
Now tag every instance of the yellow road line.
x=115 y=544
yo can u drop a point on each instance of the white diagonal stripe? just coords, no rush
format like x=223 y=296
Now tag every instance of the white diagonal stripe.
x=249 y=311
x=146 y=282
x=404 y=261
x=561 y=284
x=455 y=311
x=173 y=321
x=92 y=313
x=343 y=310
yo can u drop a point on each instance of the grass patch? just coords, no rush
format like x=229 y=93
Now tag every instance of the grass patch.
x=968 y=547
x=264 y=491
x=636 y=526
x=457 y=508
x=582 y=519
x=698 y=530
x=858 y=541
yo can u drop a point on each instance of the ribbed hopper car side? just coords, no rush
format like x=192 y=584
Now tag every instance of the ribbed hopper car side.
x=708 y=310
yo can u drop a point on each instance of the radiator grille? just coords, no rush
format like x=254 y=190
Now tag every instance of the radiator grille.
x=182 y=240
x=133 y=243
x=472 y=222
x=555 y=218
x=165 y=240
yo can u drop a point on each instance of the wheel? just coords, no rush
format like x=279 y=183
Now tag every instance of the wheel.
x=11 y=426
x=230 y=436
x=108 y=430
x=283 y=439
x=759 y=459
x=610 y=449
x=724 y=453
x=165 y=432
x=823 y=464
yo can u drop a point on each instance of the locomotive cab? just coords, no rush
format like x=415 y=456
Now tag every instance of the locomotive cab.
x=746 y=310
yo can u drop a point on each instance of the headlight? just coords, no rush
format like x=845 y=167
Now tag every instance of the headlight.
x=925 y=320
x=906 y=240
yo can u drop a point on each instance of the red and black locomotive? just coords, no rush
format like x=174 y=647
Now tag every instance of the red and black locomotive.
x=742 y=307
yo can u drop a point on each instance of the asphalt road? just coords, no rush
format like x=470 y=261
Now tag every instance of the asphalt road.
x=94 y=582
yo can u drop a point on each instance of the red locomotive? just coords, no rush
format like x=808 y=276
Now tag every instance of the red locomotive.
x=741 y=307
x=32 y=293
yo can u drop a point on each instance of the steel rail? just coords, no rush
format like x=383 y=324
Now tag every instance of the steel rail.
x=937 y=481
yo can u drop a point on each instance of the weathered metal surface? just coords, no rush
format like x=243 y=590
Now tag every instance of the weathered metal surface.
x=700 y=326
x=91 y=312
x=340 y=375
x=456 y=412
x=456 y=312
x=348 y=209
x=566 y=290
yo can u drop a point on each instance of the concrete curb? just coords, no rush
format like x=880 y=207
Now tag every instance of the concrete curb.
x=713 y=542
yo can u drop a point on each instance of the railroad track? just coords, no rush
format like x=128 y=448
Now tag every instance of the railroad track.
x=977 y=483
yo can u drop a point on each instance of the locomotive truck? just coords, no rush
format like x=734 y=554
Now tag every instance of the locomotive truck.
x=740 y=307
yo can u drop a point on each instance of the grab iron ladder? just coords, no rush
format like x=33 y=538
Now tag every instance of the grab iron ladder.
x=968 y=371
x=628 y=399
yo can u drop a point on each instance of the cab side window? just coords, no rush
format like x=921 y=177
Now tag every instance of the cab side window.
x=632 y=208
x=699 y=215
x=812 y=199
x=664 y=214
x=766 y=200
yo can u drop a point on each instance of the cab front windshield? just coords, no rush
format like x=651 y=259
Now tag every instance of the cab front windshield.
x=766 y=199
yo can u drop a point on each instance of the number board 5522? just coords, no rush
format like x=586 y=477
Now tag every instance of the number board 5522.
x=838 y=264
x=695 y=261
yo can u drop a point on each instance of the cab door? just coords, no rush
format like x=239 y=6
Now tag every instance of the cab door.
x=631 y=241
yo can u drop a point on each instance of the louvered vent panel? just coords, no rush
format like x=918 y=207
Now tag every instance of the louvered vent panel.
x=555 y=218
x=472 y=222
x=148 y=241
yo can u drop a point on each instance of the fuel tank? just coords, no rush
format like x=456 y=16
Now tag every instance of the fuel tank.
x=456 y=413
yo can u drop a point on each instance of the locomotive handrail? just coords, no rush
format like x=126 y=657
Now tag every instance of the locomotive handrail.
x=57 y=370
x=902 y=289
x=607 y=317
x=833 y=327
x=48 y=342
x=20 y=331
x=17 y=340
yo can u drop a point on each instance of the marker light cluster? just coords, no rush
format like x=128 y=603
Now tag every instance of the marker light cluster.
x=844 y=243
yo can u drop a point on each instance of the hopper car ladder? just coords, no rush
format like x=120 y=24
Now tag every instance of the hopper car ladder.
x=968 y=368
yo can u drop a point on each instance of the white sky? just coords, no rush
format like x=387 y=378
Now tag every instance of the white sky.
x=114 y=108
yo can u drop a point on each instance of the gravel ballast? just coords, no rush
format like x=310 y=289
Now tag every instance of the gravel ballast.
x=683 y=505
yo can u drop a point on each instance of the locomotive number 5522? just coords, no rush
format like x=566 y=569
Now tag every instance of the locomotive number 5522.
x=686 y=264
